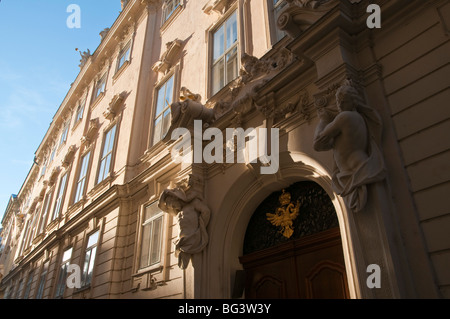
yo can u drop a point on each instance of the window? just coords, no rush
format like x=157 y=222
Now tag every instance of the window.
x=7 y=292
x=80 y=111
x=169 y=8
x=106 y=157
x=80 y=187
x=32 y=229
x=60 y=197
x=100 y=87
x=28 y=286
x=225 y=54
x=162 y=114
x=44 y=167
x=42 y=279
x=278 y=5
x=60 y=287
x=64 y=134
x=19 y=289
x=52 y=155
x=24 y=240
x=151 y=240
x=44 y=212
x=89 y=259
x=124 y=56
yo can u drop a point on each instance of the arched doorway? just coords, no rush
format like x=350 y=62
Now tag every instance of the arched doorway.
x=292 y=246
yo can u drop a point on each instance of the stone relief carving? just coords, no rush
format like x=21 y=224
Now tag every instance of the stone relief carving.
x=186 y=203
x=299 y=15
x=114 y=105
x=53 y=176
x=253 y=74
x=68 y=158
x=173 y=48
x=300 y=105
x=354 y=135
x=218 y=6
x=88 y=137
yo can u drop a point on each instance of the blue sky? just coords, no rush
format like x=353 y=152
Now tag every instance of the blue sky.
x=38 y=62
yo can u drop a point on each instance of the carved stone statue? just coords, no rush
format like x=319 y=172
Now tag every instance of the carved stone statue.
x=123 y=3
x=354 y=135
x=103 y=33
x=84 y=57
x=193 y=217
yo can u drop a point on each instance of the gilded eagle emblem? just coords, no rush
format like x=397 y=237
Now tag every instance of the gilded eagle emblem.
x=285 y=214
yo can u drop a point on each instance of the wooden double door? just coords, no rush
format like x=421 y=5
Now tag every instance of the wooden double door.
x=311 y=267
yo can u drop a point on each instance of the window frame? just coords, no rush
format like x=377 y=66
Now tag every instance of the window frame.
x=96 y=94
x=233 y=10
x=32 y=230
x=43 y=168
x=27 y=228
x=126 y=48
x=84 y=179
x=80 y=111
x=58 y=208
x=112 y=152
x=163 y=83
x=64 y=133
x=275 y=34
x=149 y=222
x=92 y=258
x=39 y=294
x=45 y=209
x=167 y=15
x=26 y=294
x=52 y=155
x=19 y=290
x=60 y=285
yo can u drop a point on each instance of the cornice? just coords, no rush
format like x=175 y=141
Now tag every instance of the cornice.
x=126 y=19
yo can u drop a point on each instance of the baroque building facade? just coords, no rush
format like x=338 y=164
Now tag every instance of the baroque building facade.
x=354 y=119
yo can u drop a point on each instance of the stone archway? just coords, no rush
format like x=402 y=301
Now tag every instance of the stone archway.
x=234 y=210
x=292 y=246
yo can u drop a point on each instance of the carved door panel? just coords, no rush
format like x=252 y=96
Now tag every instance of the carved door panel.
x=271 y=275
x=311 y=267
x=321 y=267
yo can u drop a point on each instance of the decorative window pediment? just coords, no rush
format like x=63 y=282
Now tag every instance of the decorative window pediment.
x=114 y=106
x=167 y=59
x=218 y=6
x=42 y=193
x=53 y=176
x=68 y=158
x=91 y=131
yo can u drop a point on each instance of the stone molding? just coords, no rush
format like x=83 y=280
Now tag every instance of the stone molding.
x=173 y=48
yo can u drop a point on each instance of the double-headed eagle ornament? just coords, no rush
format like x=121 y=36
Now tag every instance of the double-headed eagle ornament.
x=285 y=214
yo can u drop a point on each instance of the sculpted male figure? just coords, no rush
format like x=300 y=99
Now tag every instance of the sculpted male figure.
x=358 y=161
x=193 y=217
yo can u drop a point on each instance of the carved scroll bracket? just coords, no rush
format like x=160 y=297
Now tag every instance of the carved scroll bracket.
x=299 y=15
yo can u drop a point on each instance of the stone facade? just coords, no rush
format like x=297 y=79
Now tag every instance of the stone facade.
x=174 y=229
